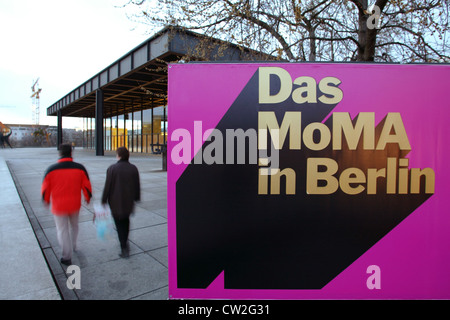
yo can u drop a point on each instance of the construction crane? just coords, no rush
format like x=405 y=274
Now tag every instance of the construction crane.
x=35 y=101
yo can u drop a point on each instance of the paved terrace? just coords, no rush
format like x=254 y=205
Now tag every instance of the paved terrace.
x=30 y=267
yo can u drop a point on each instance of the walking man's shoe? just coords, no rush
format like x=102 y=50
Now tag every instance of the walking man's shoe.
x=125 y=253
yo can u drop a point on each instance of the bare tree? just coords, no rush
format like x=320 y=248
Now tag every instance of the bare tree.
x=314 y=30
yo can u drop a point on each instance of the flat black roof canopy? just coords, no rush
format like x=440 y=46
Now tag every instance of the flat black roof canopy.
x=138 y=80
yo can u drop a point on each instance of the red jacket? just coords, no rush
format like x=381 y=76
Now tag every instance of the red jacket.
x=63 y=184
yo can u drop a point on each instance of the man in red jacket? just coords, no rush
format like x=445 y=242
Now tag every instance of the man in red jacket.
x=62 y=187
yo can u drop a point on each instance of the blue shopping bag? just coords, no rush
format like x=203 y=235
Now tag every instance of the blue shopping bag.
x=103 y=221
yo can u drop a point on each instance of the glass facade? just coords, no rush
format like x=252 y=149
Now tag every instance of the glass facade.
x=143 y=131
x=89 y=133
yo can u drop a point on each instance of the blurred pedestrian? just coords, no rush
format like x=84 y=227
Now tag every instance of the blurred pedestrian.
x=5 y=139
x=62 y=187
x=121 y=191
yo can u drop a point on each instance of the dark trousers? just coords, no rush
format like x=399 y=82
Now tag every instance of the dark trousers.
x=123 y=228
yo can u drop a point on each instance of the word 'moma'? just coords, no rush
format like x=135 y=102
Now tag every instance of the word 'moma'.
x=351 y=180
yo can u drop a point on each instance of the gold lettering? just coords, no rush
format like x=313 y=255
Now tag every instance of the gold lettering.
x=352 y=175
x=264 y=85
x=391 y=180
x=306 y=93
x=263 y=178
x=325 y=136
x=314 y=176
x=372 y=176
x=275 y=181
x=291 y=122
x=393 y=121
x=429 y=176
x=323 y=181
x=403 y=174
x=365 y=122
x=333 y=91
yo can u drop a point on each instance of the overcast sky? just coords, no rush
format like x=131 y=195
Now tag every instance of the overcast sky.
x=61 y=42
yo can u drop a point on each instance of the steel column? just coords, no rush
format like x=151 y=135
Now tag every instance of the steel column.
x=99 y=103
x=59 y=132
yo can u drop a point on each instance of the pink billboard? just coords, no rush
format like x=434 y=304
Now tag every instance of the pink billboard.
x=308 y=181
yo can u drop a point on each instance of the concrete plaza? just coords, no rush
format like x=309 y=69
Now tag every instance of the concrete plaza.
x=30 y=259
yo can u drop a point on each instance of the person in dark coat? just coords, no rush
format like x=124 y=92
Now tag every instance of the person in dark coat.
x=4 y=139
x=122 y=189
